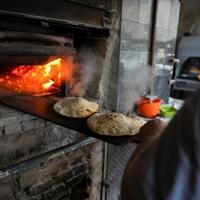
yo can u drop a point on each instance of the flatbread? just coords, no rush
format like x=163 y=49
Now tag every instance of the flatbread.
x=75 y=107
x=114 y=124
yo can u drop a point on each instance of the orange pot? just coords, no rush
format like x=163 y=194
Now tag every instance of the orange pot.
x=148 y=108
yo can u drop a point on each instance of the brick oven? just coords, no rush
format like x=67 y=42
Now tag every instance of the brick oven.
x=39 y=40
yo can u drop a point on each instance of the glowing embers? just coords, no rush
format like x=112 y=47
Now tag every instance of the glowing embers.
x=38 y=79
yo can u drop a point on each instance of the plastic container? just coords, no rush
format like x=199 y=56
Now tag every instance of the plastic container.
x=168 y=111
x=148 y=107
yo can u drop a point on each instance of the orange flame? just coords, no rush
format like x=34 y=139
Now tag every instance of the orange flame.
x=38 y=79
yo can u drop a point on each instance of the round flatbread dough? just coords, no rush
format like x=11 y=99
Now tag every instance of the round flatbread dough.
x=114 y=124
x=76 y=107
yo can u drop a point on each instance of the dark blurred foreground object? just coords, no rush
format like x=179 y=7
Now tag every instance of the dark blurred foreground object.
x=167 y=166
x=152 y=129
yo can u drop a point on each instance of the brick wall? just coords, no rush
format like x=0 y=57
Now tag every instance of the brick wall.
x=134 y=47
x=24 y=136
x=166 y=35
x=73 y=175
x=38 y=161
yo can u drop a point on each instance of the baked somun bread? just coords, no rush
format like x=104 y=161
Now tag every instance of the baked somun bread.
x=114 y=124
x=75 y=107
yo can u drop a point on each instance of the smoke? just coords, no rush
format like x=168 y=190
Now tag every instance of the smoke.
x=133 y=88
x=87 y=67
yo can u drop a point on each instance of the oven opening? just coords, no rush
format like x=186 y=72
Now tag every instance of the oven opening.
x=51 y=58
x=49 y=77
x=36 y=64
x=191 y=69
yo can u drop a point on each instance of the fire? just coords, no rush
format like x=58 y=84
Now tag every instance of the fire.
x=38 y=79
x=48 y=84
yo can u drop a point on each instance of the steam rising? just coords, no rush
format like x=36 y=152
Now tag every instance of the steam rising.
x=140 y=84
x=88 y=66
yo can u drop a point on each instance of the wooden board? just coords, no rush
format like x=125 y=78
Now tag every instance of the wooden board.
x=43 y=107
